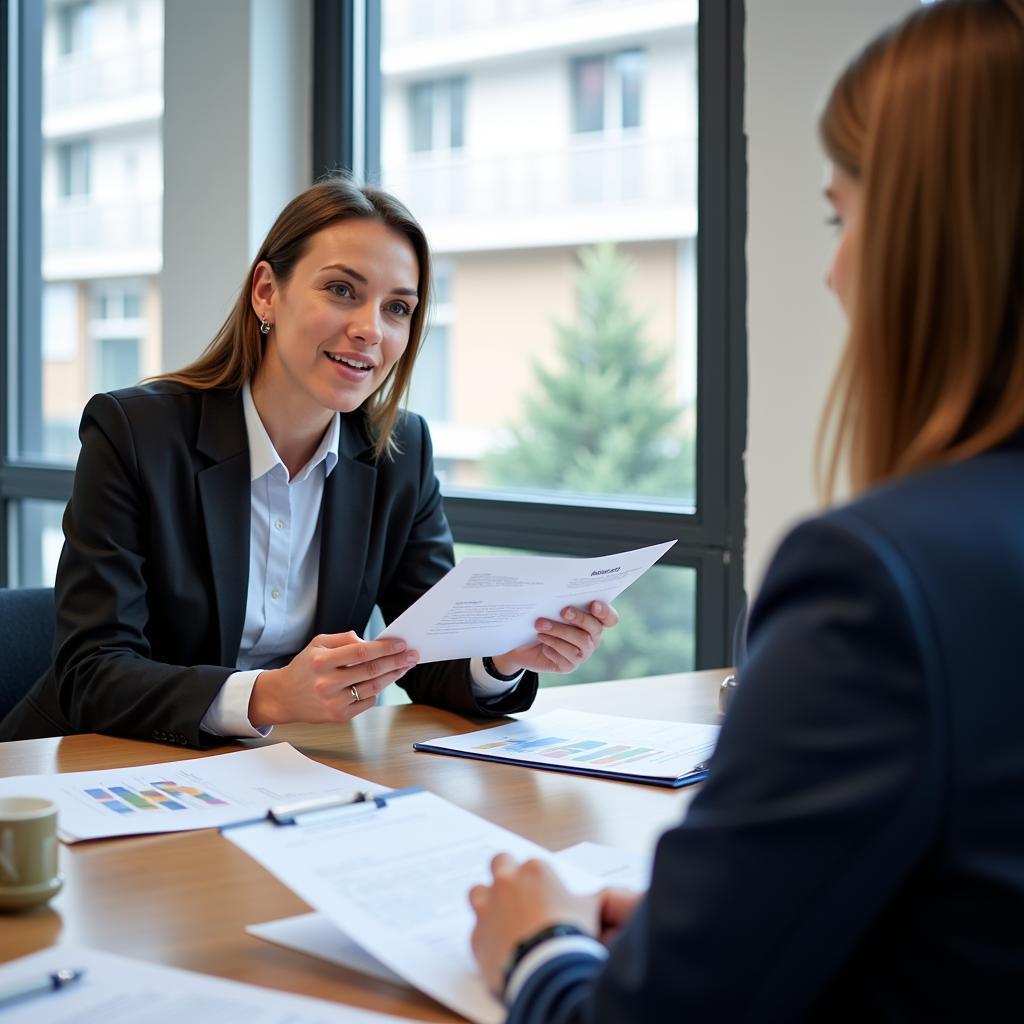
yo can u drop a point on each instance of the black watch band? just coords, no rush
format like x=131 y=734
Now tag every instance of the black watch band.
x=531 y=942
x=492 y=671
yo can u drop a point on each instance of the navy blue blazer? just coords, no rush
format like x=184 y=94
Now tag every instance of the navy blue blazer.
x=152 y=581
x=857 y=853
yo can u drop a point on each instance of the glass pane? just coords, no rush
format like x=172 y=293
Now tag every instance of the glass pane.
x=421 y=117
x=97 y=159
x=630 y=65
x=568 y=221
x=456 y=112
x=656 y=634
x=429 y=392
x=588 y=94
x=37 y=539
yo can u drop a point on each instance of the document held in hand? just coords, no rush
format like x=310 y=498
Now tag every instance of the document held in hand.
x=489 y=605
x=394 y=874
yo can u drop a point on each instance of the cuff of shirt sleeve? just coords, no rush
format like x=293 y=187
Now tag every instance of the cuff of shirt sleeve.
x=228 y=715
x=485 y=686
x=546 y=951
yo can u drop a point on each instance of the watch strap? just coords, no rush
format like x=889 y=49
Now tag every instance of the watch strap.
x=492 y=671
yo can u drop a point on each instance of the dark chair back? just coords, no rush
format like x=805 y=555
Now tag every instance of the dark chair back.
x=26 y=641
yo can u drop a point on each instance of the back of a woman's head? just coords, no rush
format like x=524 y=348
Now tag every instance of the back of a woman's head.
x=929 y=119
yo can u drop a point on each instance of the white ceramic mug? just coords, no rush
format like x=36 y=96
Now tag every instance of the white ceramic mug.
x=29 y=872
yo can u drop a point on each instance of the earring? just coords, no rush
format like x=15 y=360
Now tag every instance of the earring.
x=264 y=325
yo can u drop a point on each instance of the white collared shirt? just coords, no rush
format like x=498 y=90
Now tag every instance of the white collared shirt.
x=284 y=573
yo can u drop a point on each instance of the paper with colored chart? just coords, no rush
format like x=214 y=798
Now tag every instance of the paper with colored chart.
x=176 y=796
x=632 y=749
x=489 y=605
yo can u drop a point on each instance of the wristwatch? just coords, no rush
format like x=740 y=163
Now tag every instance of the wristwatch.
x=492 y=671
x=531 y=942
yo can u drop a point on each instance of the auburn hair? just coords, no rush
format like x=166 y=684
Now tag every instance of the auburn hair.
x=236 y=351
x=929 y=119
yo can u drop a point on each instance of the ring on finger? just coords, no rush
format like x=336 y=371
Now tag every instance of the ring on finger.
x=355 y=694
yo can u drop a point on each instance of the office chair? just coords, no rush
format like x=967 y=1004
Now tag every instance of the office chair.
x=26 y=641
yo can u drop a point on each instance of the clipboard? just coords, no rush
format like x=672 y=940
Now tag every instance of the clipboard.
x=317 y=809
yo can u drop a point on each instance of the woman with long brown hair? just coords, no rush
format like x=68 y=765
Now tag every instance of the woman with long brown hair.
x=858 y=850
x=233 y=524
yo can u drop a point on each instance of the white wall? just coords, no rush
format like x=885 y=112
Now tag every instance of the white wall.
x=794 y=50
x=237 y=147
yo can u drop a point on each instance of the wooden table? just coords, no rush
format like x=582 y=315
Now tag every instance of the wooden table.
x=184 y=899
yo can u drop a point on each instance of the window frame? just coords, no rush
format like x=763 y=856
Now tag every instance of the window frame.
x=21 y=31
x=711 y=539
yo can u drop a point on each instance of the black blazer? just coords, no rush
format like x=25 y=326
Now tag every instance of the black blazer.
x=857 y=853
x=151 y=585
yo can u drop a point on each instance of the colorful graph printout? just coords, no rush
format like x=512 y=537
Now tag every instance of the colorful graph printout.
x=175 y=796
x=162 y=796
x=576 y=752
x=632 y=749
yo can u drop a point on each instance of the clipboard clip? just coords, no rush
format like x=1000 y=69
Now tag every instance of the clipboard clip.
x=294 y=813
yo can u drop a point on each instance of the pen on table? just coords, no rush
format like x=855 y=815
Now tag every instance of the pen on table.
x=286 y=814
x=38 y=986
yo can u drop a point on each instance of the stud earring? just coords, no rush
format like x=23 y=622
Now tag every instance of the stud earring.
x=264 y=325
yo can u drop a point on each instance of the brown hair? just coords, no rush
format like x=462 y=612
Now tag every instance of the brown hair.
x=236 y=351
x=929 y=118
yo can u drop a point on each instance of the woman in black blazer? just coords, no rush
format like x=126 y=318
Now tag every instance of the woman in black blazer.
x=857 y=853
x=233 y=525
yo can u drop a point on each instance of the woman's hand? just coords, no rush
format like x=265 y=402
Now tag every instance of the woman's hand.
x=336 y=677
x=561 y=646
x=522 y=899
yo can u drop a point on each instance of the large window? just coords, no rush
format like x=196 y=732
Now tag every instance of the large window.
x=578 y=167
x=84 y=182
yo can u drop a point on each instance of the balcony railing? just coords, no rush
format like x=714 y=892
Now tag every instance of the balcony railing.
x=406 y=21
x=101 y=232
x=90 y=81
x=587 y=174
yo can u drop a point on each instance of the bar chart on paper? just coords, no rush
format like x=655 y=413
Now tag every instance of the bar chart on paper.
x=160 y=796
x=175 y=796
x=592 y=752
x=632 y=749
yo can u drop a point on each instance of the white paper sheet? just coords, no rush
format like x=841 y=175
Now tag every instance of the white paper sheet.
x=663 y=753
x=489 y=605
x=396 y=880
x=118 y=990
x=177 y=796
x=315 y=935
x=621 y=868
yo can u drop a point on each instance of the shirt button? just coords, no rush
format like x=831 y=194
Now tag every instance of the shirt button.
x=279 y=524
x=275 y=593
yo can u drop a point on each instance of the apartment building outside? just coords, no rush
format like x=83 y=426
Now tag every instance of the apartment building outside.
x=521 y=133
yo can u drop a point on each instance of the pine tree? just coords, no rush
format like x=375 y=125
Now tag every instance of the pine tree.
x=600 y=422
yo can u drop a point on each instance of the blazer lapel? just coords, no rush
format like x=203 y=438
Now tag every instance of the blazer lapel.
x=225 y=496
x=346 y=512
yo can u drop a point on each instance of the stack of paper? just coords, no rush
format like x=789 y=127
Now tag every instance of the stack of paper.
x=632 y=749
x=315 y=935
x=395 y=878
